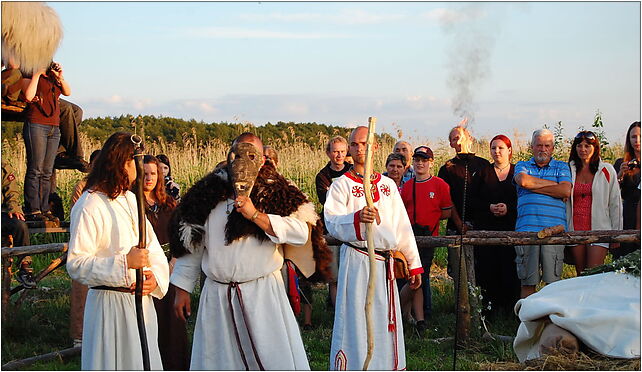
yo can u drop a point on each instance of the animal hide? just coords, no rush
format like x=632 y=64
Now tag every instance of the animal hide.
x=31 y=34
x=271 y=194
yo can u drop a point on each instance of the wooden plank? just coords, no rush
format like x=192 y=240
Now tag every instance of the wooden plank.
x=21 y=364
x=34 y=249
x=480 y=238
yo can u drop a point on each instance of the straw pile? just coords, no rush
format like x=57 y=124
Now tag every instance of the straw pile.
x=560 y=362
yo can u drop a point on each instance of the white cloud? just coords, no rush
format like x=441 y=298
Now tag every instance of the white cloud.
x=245 y=33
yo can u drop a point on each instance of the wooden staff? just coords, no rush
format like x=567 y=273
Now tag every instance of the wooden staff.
x=142 y=237
x=370 y=242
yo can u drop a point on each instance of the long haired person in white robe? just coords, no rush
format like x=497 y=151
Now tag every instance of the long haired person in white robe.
x=102 y=253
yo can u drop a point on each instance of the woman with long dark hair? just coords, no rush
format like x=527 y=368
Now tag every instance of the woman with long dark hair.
x=103 y=255
x=172 y=332
x=171 y=187
x=628 y=173
x=494 y=202
x=595 y=202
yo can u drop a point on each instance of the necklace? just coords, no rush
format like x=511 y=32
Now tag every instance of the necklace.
x=502 y=168
x=227 y=207
x=361 y=175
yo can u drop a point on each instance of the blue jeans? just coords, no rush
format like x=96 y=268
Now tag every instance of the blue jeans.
x=41 y=142
x=426 y=255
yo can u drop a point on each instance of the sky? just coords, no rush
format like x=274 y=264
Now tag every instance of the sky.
x=419 y=67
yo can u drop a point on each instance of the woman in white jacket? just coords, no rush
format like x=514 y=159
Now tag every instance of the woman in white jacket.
x=595 y=203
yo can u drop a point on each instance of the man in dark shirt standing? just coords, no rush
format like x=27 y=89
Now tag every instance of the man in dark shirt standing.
x=336 y=150
x=454 y=173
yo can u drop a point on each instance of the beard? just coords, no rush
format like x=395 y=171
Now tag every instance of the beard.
x=542 y=157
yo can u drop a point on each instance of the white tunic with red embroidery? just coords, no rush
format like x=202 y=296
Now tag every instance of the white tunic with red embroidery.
x=349 y=337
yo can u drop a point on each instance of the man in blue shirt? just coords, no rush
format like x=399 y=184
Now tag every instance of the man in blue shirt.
x=542 y=185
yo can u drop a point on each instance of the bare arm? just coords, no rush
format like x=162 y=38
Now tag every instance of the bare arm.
x=30 y=86
x=446 y=213
x=64 y=85
x=560 y=190
x=532 y=183
x=245 y=207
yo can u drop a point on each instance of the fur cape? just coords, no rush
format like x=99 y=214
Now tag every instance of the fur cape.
x=272 y=194
x=31 y=34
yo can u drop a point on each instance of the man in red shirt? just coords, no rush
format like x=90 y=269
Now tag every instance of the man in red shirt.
x=427 y=200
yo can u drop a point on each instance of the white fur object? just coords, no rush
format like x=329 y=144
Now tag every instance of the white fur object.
x=306 y=213
x=187 y=230
x=31 y=34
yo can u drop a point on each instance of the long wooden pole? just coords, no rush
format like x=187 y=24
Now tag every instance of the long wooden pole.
x=142 y=238
x=370 y=241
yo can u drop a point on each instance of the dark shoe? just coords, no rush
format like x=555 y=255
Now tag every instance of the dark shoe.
x=71 y=162
x=38 y=217
x=50 y=217
x=25 y=277
x=420 y=328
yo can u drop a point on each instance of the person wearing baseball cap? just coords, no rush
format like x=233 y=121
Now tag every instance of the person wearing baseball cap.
x=427 y=201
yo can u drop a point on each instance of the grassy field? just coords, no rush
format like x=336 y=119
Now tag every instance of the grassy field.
x=41 y=324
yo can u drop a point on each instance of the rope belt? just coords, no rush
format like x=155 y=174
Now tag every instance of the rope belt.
x=115 y=289
x=390 y=292
x=235 y=286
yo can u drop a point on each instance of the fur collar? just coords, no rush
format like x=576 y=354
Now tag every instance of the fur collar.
x=272 y=194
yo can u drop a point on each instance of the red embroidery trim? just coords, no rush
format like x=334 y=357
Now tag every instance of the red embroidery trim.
x=357 y=226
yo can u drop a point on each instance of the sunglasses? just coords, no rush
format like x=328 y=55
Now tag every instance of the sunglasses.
x=586 y=134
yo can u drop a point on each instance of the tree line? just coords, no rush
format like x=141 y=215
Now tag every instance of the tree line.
x=180 y=131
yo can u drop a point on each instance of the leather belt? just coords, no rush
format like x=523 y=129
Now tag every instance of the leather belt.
x=235 y=286
x=115 y=289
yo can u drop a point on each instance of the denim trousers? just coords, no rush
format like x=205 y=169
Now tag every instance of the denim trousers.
x=426 y=255
x=41 y=142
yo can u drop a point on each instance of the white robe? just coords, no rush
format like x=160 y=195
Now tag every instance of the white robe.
x=601 y=310
x=349 y=336
x=102 y=233
x=256 y=266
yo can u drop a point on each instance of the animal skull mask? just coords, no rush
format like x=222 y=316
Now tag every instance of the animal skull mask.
x=244 y=162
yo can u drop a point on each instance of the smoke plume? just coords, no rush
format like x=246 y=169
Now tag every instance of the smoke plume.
x=472 y=39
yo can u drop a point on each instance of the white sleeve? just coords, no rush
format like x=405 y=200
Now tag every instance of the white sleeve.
x=188 y=269
x=406 y=242
x=288 y=230
x=615 y=201
x=82 y=263
x=343 y=224
x=158 y=262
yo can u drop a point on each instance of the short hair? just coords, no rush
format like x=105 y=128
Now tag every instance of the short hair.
x=402 y=141
x=504 y=139
x=396 y=156
x=463 y=129
x=540 y=133
x=248 y=137
x=335 y=139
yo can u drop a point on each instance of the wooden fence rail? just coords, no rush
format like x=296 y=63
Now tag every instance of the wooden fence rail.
x=522 y=238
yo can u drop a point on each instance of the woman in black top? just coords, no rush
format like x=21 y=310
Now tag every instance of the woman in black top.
x=172 y=332
x=494 y=202
x=628 y=174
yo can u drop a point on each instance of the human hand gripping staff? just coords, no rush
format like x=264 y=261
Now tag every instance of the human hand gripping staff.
x=140 y=252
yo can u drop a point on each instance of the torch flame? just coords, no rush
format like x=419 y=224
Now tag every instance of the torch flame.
x=463 y=123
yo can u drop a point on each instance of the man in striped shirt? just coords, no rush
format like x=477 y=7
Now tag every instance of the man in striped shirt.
x=542 y=185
